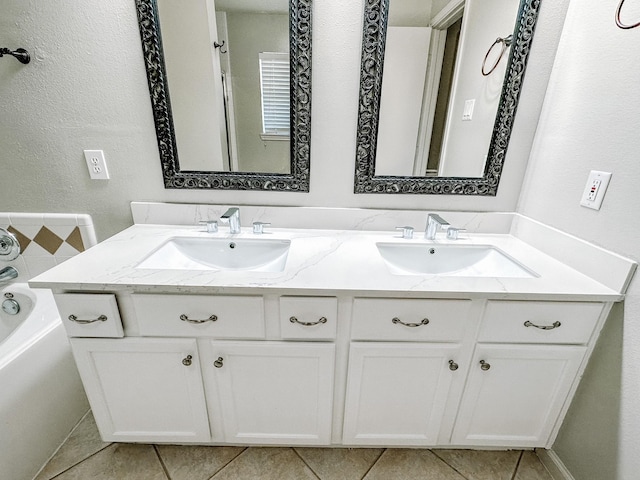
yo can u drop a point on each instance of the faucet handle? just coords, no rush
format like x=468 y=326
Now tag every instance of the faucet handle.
x=212 y=225
x=452 y=232
x=407 y=231
x=258 y=227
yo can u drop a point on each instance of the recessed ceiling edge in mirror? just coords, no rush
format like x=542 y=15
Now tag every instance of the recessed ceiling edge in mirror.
x=373 y=49
x=300 y=23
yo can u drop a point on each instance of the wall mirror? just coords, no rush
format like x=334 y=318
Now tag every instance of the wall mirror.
x=439 y=87
x=230 y=88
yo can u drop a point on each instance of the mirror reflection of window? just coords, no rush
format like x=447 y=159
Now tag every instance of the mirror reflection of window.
x=216 y=92
x=275 y=86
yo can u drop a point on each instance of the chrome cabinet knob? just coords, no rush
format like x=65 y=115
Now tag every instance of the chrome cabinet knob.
x=219 y=362
x=453 y=366
x=484 y=365
x=186 y=361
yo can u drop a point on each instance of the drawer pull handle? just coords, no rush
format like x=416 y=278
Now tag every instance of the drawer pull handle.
x=453 y=366
x=184 y=318
x=308 y=324
x=219 y=362
x=396 y=320
x=187 y=361
x=542 y=327
x=484 y=365
x=101 y=318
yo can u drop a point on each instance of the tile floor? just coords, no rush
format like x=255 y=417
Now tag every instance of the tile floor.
x=85 y=456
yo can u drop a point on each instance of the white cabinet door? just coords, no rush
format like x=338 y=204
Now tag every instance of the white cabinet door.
x=272 y=392
x=397 y=392
x=144 y=389
x=515 y=393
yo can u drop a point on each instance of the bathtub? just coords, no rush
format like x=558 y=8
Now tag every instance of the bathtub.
x=41 y=396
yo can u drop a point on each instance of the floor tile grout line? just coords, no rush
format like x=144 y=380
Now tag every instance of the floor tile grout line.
x=81 y=461
x=66 y=439
x=229 y=463
x=162 y=464
x=295 y=450
x=515 y=470
x=448 y=464
x=373 y=464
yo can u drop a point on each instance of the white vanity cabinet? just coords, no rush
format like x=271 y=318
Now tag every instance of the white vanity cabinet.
x=320 y=370
x=515 y=393
x=398 y=393
x=524 y=367
x=144 y=389
x=270 y=393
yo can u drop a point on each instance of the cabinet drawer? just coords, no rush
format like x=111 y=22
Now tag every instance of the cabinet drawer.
x=221 y=316
x=308 y=317
x=539 y=322
x=410 y=320
x=89 y=315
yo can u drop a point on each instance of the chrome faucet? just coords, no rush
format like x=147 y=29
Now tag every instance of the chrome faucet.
x=7 y=274
x=434 y=223
x=232 y=217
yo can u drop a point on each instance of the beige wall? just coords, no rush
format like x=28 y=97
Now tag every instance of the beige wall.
x=269 y=33
x=87 y=88
x=590 y=121
x=482 y=23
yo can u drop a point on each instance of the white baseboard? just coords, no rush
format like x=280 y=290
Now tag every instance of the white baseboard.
x=553 y=464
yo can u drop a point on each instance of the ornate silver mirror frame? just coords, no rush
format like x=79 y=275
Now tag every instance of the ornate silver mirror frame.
x=300 y=59
x=373 y=46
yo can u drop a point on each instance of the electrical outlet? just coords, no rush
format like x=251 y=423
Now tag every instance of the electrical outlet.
x=96 y=164
x=595 y=189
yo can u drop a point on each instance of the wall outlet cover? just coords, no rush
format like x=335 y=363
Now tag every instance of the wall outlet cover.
x=595 y=189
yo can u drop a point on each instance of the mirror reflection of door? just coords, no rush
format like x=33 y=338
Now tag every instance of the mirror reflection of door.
x=228 y=75
x=431 y=74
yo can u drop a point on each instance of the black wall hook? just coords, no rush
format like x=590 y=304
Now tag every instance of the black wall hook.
x=20 y=54
x=220 y=46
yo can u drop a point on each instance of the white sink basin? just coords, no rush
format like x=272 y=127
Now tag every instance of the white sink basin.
x=186 y=253
x=450 y=260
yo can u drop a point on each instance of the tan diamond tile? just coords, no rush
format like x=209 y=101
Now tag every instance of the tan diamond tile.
x=48 y=240
x=340 y=463
x=75 y=240
x=120 y=461
x=266 y=464
x=83 y=442
x=531 y=468
x=195 y=462
x=408 y=464
x=23 y=240
x=482 y=464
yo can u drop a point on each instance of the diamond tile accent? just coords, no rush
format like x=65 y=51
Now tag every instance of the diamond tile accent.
x=48 y=240
x=23 y=240
x=75 y=240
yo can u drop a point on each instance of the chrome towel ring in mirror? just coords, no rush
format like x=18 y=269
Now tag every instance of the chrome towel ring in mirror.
x=506 y=43
x=9 y=246
x=619 y=21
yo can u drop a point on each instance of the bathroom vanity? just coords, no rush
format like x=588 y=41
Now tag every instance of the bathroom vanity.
x=337 y=345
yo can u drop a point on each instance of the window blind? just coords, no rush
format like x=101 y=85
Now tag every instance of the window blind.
x=275 y=93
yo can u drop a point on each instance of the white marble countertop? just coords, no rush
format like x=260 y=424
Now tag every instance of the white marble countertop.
x=320 y=262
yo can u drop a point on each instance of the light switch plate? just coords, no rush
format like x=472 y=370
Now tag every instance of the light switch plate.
x=467 y=113
x=595 y=189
